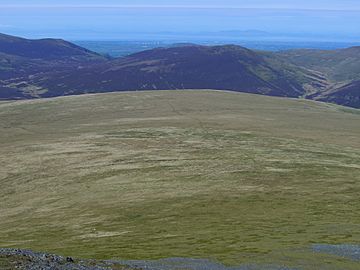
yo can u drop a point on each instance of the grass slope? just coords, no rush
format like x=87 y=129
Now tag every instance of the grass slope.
x=338 y=65
x=235 y=177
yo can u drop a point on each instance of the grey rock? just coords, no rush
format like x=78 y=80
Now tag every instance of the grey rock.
x=346 y=251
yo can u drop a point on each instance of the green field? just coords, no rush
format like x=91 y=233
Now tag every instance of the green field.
x=234 y=177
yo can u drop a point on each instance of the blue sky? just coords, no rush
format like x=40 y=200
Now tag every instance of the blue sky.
x=111 y=19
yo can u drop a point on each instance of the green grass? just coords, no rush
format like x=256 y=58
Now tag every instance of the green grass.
x=234 y=177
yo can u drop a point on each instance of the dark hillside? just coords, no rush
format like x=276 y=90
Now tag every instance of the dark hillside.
x=43 y=48
x=191 y=67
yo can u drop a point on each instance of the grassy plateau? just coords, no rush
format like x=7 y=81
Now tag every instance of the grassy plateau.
x=234 y=177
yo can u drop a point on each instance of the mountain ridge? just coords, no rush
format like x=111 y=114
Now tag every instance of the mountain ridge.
x=54 y=67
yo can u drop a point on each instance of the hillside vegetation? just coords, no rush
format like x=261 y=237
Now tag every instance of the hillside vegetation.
x=339 y=65
x=234 y=177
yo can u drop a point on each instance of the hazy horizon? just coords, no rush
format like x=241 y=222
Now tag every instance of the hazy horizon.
x=118 y=20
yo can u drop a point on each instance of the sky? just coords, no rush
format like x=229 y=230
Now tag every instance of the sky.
x=122 y=19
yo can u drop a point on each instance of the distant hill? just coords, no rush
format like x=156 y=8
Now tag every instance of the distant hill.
x=52 y=67
x=197 y=67
x=21 y=59
x=43 y=48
